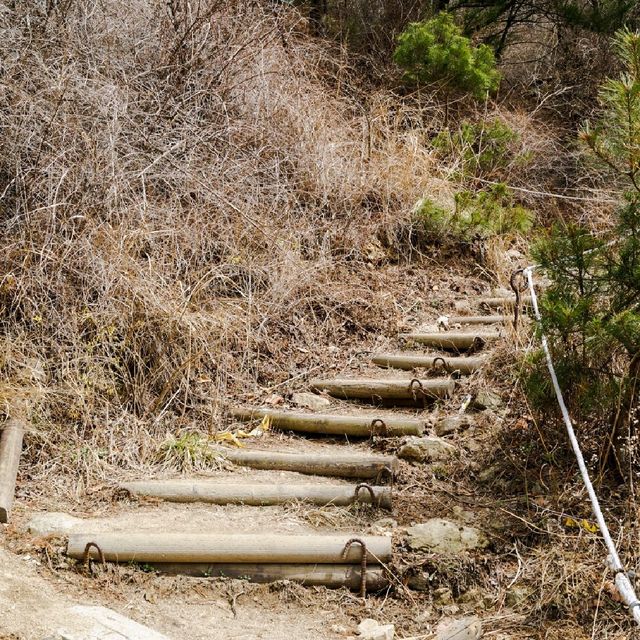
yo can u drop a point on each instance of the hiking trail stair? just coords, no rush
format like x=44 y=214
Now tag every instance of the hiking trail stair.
x=333 y=559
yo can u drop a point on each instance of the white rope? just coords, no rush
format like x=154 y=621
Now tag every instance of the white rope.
x=623 y=584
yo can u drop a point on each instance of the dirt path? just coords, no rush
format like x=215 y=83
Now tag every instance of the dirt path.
x=194 y=608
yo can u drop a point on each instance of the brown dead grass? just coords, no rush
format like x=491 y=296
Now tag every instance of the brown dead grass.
x=191 y=195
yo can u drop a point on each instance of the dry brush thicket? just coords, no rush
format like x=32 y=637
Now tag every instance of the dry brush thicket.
x=192 y=196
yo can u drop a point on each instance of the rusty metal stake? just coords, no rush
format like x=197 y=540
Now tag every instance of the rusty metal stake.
x=415 y=386
x=366 y=487
x=517 y=289
x=86 y=558
x=440 y=362
x=363 y=563
x=378 y=422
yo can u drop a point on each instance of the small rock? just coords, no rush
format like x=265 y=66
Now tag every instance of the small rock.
x=383 y=632
x=370 y=629
x=385 y=524
x=516 y=596
x=487 y=400
x=424 y=618
x=338 y=628
x=513 y=254
x=274 y=399
x=420 y=581
x=451 y=424
x=367 y=625
x=310 y=401
x=444 y=536
x=443 y=596
x=463 y=515
x=460 y=629
x=51 y=523
x=473 y=446
x=489 y=475
x=462 y=307
x=426 y=449
x=106 y=624
x=476 y=598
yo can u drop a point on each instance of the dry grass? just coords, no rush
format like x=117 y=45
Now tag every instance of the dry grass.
x=191 y=195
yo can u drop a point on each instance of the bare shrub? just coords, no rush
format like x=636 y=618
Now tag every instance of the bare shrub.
x=187 y=191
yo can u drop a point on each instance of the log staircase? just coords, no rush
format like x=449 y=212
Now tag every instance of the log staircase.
x=353 y=560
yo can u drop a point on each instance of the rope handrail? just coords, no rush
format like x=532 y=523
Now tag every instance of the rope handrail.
x=622 y=582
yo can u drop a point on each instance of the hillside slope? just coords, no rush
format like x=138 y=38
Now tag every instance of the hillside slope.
x=202 y=204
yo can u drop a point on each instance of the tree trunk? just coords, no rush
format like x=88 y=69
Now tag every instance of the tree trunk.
x=317 y=12
x=325 y=575
x=452 y=341
x=408 y=361
x=232 y=548
x=258 y=494
x=10 y=450
x=342 y=465
x=336 y=425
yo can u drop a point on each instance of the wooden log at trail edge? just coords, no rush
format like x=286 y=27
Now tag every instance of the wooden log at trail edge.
x=150 y=547
x=504 y=301
x=412 y=361
x=325 y=575
x=258 y=494
x=335 y=464
x=338 y=425
x=10 y=450
x=477 y=319
x=450 y=340
x=405 y=390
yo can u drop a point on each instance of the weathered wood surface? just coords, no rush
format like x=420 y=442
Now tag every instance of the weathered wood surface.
x=477 y=319
x=389 y=390
x=341 y=465
x=258 y=494
x=149 y=547
x=451 y=340
x=504 y=301
x=411 y=361
x=339 y=425
x=10 y=450
x=326 y=575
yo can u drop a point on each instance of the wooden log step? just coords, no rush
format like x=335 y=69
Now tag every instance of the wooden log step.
x=477 y=319
x=259 y=548
x=386 y=390
x=412 y=361
x=335 y=425
x=453 y=341
x=260 y=494
x=504 y=301
x=10 y=451
x=333 y=576
x=341 y=465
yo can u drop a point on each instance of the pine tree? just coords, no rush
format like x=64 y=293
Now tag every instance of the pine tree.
x=436 y=52
x=592 y=309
